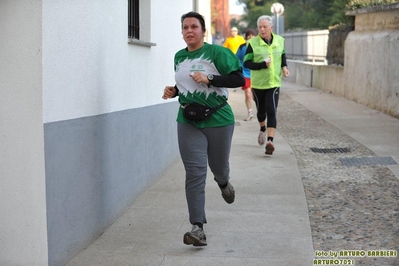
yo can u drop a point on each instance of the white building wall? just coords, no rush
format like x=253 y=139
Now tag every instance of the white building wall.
x=103 y=112
x=89 y=68
x=23 y=232
x=66 y=69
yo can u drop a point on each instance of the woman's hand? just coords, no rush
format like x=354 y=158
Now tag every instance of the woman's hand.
x=168 y=92
x=199 y=77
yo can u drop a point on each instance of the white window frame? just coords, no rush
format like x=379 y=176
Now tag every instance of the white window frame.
x=143 y=17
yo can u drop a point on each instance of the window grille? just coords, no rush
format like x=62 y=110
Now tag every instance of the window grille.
x=134 y=19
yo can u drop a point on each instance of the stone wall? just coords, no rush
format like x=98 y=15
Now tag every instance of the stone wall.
x=372 y=59
x=336 y=44
x=370 y=75
x=328 y=78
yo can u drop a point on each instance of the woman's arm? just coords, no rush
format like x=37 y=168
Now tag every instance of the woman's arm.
x=170 y=92
x=232 y=80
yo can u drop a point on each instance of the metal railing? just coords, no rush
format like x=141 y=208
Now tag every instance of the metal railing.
x=308 y=46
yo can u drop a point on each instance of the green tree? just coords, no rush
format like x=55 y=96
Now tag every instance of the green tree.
x=253 y=11
x=300 y=14
x=308 y=14
x=338 y=9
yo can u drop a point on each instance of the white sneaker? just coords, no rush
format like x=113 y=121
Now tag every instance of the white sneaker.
x=262 y=138
x=249 y=116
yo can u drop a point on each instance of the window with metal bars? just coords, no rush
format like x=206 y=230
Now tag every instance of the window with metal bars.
x=134 y=19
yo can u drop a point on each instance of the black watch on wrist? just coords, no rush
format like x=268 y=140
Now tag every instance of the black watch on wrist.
x=210 y=78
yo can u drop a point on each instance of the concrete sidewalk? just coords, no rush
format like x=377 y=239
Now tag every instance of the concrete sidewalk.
x=268 y=224
x=373 y=129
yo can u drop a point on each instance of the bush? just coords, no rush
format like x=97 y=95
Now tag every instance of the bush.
x=356 y=4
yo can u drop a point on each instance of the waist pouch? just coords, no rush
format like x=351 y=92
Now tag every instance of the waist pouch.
x=199 y=112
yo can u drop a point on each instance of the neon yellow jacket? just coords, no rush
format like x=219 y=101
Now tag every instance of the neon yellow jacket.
x=266 y=78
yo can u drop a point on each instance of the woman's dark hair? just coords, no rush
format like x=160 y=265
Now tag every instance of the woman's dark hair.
x=250 y=32
x=196 y=15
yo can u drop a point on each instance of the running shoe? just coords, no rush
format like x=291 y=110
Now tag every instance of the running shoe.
x=228 y=193
x=249 y=116
x=262 y=138
x=269 y=148
x=196 y=237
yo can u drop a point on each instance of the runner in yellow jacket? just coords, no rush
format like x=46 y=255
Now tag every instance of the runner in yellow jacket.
x=234 y=41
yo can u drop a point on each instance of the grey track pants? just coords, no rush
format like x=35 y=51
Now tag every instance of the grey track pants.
x=197 y=147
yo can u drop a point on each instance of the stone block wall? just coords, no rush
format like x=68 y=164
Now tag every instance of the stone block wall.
x=372 y=59
x=370 y=74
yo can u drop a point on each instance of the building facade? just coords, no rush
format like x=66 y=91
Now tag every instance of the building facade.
x=221 y=18
x=83 y=127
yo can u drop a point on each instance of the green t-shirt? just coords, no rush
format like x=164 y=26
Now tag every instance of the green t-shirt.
x=209 y=59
